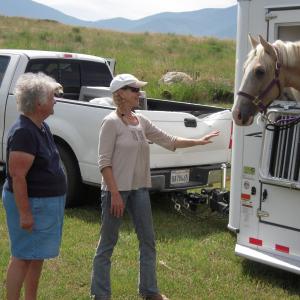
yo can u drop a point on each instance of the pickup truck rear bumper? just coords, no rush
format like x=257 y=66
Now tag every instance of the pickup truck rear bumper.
x=163 y=179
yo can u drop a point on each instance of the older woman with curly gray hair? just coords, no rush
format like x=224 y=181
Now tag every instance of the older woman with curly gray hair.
x=34 y=191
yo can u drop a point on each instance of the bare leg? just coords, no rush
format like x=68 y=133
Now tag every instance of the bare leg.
x=16 y=273
x=32 y=279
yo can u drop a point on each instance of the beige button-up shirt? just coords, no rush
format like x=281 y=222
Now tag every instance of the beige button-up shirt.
x=125 y=148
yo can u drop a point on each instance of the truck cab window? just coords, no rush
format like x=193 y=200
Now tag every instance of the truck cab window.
x=66 y=73
x=72 y=74
x=95 y=74
x=49 y=68
x=4 y=60
x=69 y=78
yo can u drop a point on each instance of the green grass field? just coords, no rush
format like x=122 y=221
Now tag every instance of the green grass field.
x=196 y=257
x=209 y=61
x=196 y=260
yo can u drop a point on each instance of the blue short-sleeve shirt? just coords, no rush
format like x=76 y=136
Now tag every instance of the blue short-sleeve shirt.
x=45 y=178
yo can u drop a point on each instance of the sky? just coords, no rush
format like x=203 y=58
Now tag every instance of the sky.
x=92 y=10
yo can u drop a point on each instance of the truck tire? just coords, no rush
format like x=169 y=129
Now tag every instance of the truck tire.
x=71 y=169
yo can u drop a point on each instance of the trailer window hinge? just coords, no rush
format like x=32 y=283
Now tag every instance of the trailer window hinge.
x=270 y=16
x=262 y=214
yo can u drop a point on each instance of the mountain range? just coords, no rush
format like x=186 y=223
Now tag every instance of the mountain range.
x=215 y=22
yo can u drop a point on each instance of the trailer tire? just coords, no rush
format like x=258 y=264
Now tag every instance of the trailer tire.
x=73 y=178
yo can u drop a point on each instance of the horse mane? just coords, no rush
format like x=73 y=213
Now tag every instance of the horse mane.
x=289 y=54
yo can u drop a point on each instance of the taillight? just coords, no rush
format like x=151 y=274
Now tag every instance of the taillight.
x=230 y=140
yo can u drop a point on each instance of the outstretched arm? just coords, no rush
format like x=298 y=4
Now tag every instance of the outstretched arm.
x=185 y=143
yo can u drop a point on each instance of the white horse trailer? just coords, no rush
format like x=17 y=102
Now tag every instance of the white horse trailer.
x=265 y=179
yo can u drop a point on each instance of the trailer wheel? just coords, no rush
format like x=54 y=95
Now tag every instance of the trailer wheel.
x=73 y=178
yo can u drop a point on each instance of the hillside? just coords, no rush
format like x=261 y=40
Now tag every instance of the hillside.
x=209 y=61
x=215 y=22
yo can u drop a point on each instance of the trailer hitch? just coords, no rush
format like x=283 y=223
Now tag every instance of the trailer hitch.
x=216 y=199
x=219 y=201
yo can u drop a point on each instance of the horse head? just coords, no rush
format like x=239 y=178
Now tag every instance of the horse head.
x=260 y=83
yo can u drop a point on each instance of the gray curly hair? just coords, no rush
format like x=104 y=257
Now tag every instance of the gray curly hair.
x=33 y=88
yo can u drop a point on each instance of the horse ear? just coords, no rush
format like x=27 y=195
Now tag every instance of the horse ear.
x=268 y=47
x=252 y=41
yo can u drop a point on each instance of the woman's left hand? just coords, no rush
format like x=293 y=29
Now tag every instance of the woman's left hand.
x=207 y=138
x=26 y=221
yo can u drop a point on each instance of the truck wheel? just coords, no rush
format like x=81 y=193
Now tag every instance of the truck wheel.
x=74 y=183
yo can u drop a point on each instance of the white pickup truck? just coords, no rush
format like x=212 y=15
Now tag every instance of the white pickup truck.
x=76 y=121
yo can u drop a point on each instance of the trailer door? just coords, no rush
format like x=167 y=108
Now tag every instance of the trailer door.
x=280 y=206
x=279 y=220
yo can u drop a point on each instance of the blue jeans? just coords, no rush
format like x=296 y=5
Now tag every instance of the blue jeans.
x=137 y=203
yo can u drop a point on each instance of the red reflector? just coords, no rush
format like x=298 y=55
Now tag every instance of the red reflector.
x=256 y=242
x=282 y=248
x=68 y=55
x=245 y=196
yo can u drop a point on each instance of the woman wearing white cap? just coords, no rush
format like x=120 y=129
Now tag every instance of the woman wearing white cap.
x=124 y=162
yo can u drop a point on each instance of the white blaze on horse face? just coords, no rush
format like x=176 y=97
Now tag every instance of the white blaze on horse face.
x=258 y=73
x=244 y=109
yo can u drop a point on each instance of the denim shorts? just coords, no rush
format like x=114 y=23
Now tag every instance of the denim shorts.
x=45 y=238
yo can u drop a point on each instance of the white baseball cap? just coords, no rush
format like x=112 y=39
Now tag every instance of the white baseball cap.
x=122 y=80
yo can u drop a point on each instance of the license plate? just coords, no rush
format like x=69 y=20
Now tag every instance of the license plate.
x=180 y=176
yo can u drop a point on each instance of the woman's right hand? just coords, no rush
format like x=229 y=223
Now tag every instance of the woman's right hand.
x=117 y=205
x=26 y=221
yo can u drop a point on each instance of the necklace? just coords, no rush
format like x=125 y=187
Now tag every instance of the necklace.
x=128 y=119
x=120 y=114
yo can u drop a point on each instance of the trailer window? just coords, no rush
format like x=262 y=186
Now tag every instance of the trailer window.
x=280 y=162
x=286 y=27
x=4 y=60
x=289 y=33
x=285 y=152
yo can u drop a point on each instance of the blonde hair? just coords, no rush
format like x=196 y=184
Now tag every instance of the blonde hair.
x=118 y=100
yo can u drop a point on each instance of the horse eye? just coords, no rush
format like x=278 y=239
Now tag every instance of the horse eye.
x=259 y=72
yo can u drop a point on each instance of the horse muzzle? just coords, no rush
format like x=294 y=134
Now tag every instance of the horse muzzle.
x=244 y=116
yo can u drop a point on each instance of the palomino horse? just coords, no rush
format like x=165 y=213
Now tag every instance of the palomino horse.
x=268 y=69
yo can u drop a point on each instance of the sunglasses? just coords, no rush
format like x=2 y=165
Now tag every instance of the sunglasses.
x=133 y=89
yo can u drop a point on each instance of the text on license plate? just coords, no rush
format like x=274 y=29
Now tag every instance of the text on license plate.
x=180 y=176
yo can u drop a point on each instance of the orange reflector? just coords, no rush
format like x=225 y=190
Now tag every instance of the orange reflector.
x=245 y=196
x=68 y=55
x=282 y=248
x=256 y=242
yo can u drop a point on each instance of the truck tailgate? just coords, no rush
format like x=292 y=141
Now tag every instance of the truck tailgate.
x=174 y=123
